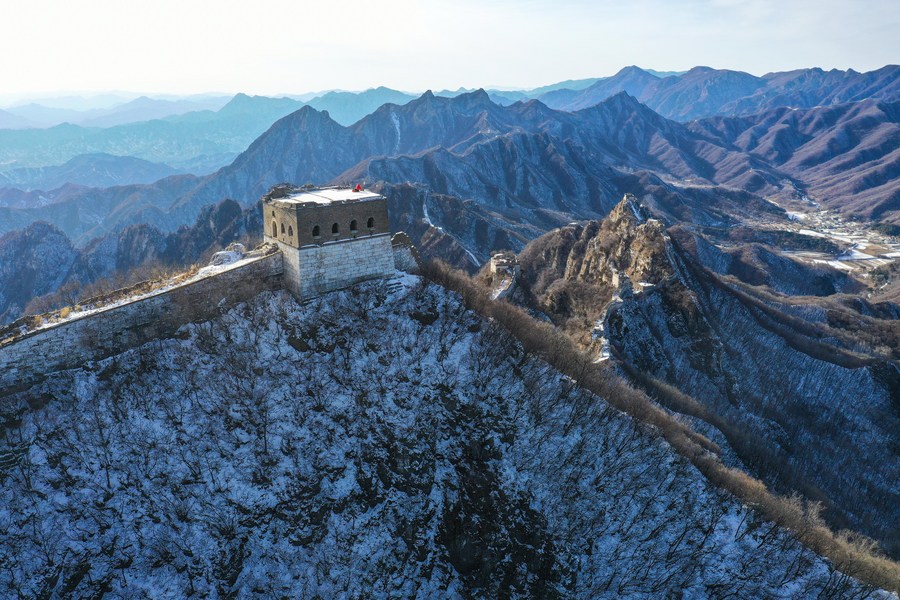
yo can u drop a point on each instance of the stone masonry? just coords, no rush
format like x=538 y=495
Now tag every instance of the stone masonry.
x=39 y=354
x=330 y=237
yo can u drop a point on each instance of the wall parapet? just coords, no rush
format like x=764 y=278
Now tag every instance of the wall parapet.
x=38 y=353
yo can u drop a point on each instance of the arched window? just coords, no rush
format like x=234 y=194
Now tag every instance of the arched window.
x=282 y=228
x=273 y=213
x=316 y=231
x=353 y=226
x=274 y=229
x=290 y=231
x=371 y=223
x=335 y=229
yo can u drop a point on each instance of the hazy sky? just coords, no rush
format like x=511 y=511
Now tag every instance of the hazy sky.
x=294 y=46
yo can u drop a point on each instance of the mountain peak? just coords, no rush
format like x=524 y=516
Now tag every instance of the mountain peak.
x=475 y=98
x=632 y=70
x=623 y=98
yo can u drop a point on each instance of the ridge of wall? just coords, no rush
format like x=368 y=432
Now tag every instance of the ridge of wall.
x=39 y=354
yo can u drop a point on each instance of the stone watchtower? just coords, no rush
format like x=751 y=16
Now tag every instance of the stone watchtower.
x=330 y=237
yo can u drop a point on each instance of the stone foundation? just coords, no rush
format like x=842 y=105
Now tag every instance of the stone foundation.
x=315 y=270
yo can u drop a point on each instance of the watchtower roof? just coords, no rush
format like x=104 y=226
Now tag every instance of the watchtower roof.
x=299 y=197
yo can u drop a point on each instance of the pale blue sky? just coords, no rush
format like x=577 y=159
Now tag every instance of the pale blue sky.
x=294 y=46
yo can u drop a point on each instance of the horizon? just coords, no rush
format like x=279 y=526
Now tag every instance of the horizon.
x=116 y=97
x=171 y=48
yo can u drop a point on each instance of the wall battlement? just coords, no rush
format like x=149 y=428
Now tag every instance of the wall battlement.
x=37 y=354
x=326 y=239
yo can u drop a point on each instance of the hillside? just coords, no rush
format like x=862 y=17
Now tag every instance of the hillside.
x=377 y=441
x=797 y=371
x=41 y=270
x=846 y=157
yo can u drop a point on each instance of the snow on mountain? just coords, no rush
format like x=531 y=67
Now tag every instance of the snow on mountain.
x=381 y=441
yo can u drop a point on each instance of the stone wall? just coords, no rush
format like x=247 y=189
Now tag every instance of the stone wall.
x=38 y=354
x=298 y=221
x=291 y=264
x=337 y=265
x=406 y=255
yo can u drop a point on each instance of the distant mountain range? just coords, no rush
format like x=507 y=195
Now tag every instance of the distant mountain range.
x=525 y=163
x=705 y=92
x=175 y=132
x=198 y=142
x=90 y=170
x=140 y=109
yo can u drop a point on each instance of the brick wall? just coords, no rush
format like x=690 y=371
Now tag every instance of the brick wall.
x=302 y=219
x=339 y=264
x=70 y=344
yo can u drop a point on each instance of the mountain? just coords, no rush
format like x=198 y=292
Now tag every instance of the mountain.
x=372 y=442
x=569 y=84
x=801 y=382
x=806 y=88
x=10 y=120
x=465 y=176
x=139 y=109
x=41 y=270
x=33 y=262
x=349 y=107
x=631 y=80
x=704 y=92
x=146 y=109
x=466 y=147
x=198 y=142
x=91 y=170
x=847 y=156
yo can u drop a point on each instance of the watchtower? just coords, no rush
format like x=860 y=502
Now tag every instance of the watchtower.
x=330 y=237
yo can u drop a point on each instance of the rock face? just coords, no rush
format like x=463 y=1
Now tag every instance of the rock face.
x=373 y=442
x=33 y=262
x=808 y=402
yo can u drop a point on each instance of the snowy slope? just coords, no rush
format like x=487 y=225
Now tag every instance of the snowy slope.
x=377 y=442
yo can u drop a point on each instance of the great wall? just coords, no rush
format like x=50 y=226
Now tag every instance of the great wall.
x=35 y=347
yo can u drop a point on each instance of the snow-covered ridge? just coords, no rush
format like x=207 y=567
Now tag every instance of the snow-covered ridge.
x=381 y=442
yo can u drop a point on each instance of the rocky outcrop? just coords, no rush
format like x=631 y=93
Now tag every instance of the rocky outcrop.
x=808 y=400
x=33 y=262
